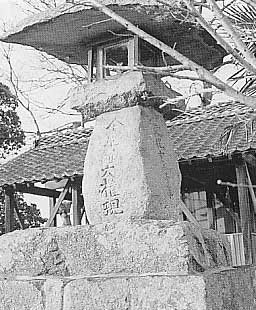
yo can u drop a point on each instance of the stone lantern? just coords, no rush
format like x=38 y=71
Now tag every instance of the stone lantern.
x=130 y=157
x=135 y=248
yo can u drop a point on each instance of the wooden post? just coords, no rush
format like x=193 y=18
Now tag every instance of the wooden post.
x=211 y=215
x=244 y=206
x=99 y=64
x=52 y=202
x=90 y=65
x=76 y=203
x=133 y=51
x=9 y=209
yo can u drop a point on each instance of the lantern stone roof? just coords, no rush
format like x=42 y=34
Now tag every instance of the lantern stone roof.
x=214 y=131
x=128 y=89
x=68 y=31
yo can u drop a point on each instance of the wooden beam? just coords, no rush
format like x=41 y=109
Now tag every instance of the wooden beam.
x=56 y=184
x=244 y=206
x=52 y=202
x=58 y=203
x=18 y=216
x=40 y=191
x=9 y=209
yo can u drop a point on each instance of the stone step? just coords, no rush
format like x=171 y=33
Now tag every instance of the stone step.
x=215 y=290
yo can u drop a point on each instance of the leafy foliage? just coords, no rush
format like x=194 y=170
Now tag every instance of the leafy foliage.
x=243 y=18
x=11 y=134
x=11 y=139
x=30 y=215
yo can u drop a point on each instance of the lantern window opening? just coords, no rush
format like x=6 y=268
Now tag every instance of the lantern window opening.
x=127 y=52
x=117 y=54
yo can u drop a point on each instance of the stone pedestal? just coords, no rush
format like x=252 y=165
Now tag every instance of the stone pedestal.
x=135 y=256
x=131 y=170
x=141 y=265
x=145 y=246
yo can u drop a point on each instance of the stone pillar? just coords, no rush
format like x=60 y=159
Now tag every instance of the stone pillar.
x=131 y=170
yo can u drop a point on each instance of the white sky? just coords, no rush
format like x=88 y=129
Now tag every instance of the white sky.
x=23 y=58
x=27 y=66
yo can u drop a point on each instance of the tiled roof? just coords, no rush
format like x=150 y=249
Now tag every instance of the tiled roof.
x=214 y=131
x=195 y=134
x=56 y=156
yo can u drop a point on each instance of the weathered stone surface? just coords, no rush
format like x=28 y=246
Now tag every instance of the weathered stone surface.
x=136 y=247
x=53 y=291
x=19 y=295
x=230 y=289
x=233 y=289
x=131 y=170
x=225 y=290
x=122 y=91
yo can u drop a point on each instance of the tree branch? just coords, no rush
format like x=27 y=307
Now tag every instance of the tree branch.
x=218 y=38
x=202 y=73
x=179 y=98
x=158 y=70
x=14 y=82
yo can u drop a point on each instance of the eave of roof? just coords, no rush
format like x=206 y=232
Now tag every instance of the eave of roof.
x=57 y=156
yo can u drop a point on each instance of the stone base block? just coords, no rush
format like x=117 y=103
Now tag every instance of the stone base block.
x=16 y=295
x=221 y=290
x=133 y=247
x=229 y=290
x=31 y=294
